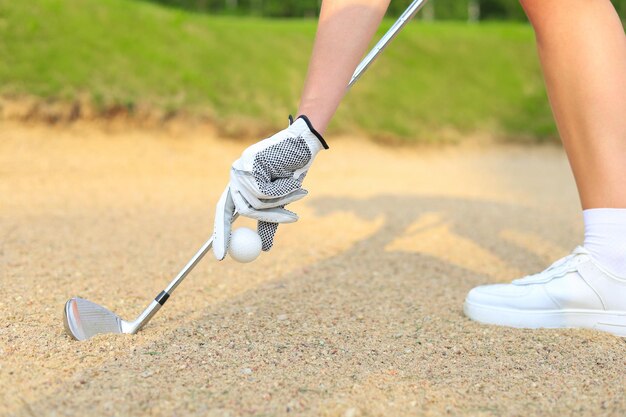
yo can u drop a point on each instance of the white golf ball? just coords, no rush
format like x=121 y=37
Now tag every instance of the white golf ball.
x=245 y=245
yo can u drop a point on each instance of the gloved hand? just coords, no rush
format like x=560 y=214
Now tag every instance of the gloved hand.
x=266 y=177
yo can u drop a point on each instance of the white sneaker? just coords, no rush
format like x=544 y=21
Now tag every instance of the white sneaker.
x=573 y=292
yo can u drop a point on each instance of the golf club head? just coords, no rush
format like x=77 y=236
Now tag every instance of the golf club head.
x=84 y=319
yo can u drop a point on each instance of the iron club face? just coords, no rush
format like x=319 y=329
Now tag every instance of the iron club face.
x=84 y=319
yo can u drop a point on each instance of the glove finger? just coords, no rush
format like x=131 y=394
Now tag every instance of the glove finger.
x=264 y=203
x=277 y=188
x=224 y=212
x=272 y=215
x=280 y=187
x=267 y=231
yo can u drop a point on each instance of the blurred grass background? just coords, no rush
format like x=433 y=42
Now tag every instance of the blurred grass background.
x=245 y=73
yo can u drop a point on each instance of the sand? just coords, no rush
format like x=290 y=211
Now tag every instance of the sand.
x=357 y=311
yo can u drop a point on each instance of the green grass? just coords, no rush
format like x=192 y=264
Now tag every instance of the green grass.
x=243 y=72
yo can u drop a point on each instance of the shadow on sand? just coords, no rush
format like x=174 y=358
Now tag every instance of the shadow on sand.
x=377 y=330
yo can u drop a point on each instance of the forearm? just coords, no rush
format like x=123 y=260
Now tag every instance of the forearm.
x=344 y=31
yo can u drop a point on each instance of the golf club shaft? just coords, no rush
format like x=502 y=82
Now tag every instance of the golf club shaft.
x=387 y=37
x=162 y=297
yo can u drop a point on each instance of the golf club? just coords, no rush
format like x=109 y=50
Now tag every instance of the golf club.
x=84 y=319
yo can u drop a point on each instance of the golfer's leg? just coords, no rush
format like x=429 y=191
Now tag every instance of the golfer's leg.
x=582 y=48
x=344 y=31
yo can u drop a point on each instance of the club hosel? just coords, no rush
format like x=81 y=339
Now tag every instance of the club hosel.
x=146 y=315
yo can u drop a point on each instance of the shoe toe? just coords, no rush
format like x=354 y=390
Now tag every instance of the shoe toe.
x=497 y=294
x=499 y=290
x=511 y=296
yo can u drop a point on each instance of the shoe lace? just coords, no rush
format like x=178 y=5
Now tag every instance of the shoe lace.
x=559 y=268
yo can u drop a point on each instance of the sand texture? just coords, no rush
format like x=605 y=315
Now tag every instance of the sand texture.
x=357 y=311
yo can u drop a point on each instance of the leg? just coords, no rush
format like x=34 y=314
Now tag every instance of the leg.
x=582 y=48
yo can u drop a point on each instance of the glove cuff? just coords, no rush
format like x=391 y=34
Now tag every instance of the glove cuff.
x=311 y=128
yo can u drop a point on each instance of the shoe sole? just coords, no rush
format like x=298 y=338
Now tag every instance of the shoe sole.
x=613 y=322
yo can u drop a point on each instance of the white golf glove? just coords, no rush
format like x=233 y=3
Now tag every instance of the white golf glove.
x=266 y=177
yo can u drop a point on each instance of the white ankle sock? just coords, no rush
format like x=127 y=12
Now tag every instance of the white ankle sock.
x=605 y=238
